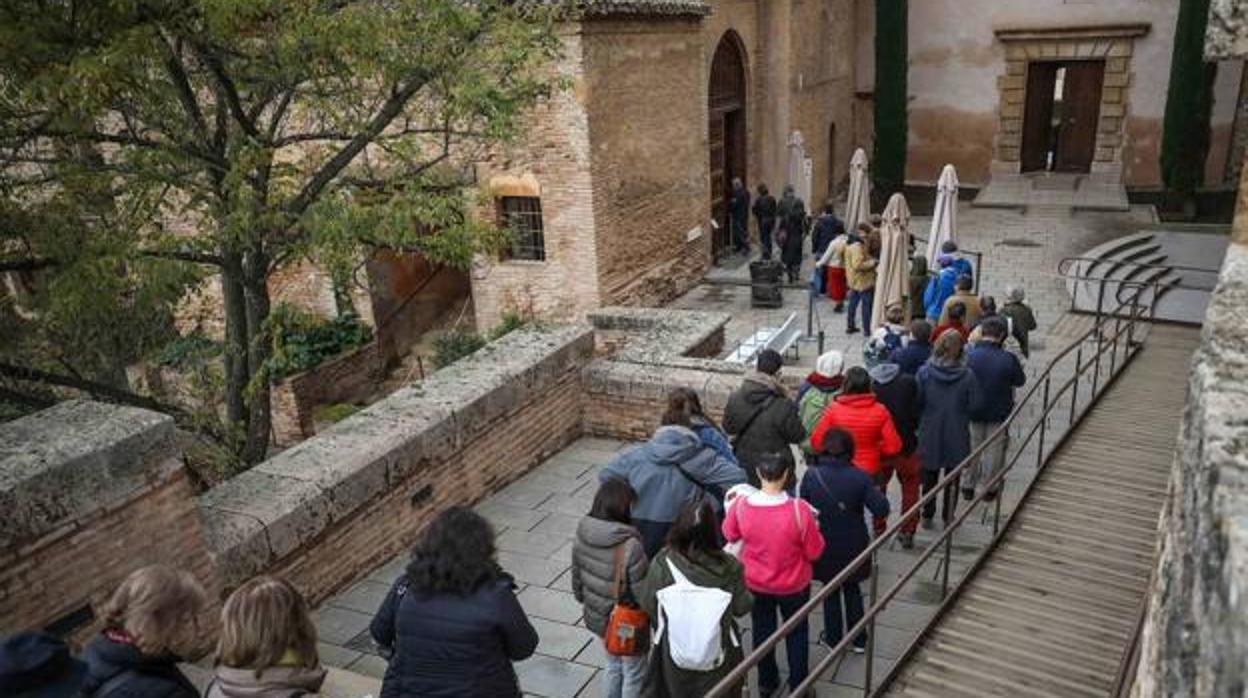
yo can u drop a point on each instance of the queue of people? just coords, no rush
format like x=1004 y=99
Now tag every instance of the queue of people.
x=688 y=531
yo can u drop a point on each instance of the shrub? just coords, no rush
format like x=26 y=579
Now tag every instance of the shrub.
x=187 y=351
x=302 y=341
x=449 y=347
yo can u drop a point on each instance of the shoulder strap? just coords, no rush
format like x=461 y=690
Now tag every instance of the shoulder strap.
x=620 y=569
x=797 y=512
x=750 y=422
x=676 y=575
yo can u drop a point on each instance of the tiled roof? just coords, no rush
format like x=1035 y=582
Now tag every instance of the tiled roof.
x=600 y=8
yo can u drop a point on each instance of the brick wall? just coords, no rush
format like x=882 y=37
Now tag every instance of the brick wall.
x=646 y=101
x=389 y=525
x=333 y=506
x=550 y=161
x=91 y=493
x=348 y=378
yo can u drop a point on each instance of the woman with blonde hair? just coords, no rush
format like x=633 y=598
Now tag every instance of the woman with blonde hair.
x=267 y=647
x=149 y=626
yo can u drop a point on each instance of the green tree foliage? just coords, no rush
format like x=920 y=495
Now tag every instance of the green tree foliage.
x=888 y=163
x=1189 y=103
x=145 y=143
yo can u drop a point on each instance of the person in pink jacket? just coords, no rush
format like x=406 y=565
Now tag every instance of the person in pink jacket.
x=780 y=541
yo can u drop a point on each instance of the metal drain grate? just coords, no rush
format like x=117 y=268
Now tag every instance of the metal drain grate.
x=1019 y=242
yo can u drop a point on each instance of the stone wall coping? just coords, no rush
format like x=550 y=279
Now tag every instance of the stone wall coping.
x=661 y=335
x=1125 y=30
x=263 y=515
x=1227 y=34
x=76 y=458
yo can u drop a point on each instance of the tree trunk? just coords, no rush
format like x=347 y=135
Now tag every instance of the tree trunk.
x=237 y=370
x=259 y=411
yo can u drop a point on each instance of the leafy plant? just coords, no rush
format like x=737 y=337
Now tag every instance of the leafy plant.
x=335 y=412
x=188 y=350
x=302 y=341
x=449 y=347
x=510 y=323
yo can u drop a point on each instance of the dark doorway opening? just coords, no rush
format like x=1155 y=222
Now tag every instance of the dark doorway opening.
x=831 y=161
x=1063 y=106
x=726 y=131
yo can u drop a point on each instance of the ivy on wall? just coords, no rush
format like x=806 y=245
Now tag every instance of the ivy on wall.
x=1189 y=102
x=891 y=124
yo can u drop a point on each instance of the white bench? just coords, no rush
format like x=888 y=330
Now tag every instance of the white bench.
x=780 y=339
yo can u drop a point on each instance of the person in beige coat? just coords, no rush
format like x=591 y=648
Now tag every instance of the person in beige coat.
x=860 y=277
x=967 y=298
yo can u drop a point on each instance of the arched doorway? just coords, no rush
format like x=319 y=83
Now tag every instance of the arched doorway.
x=726 y=131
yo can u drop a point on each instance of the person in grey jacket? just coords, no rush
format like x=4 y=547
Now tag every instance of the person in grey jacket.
x=672 y=468
x=762 y=418
x=604 y=539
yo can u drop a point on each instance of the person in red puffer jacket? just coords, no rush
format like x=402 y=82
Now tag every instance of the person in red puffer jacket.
x=858 y=412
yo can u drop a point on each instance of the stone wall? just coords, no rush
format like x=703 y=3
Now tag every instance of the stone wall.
x=1195 y=639
x=89 y=493
x=336 y=505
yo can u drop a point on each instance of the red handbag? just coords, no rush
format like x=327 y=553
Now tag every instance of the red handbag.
x=628 y=627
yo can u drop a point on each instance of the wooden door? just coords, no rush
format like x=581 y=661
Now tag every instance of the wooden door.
x=720 y=183
x=1038 y=116
x=1081 y=109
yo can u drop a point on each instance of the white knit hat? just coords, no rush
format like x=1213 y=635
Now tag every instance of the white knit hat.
x=830 y=364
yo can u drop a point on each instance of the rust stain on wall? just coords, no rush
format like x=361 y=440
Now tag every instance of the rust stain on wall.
x=1140 y=160
x=941 y=135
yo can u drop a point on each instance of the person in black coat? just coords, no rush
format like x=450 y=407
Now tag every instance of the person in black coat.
x=761 y=418
x=948 y=393
x=900 y=394
x=998 y=373
x=38 y=665
x=451 y=624
x=827 y=227
x=840 y=491
x=149 y=625
x=765 y=214
x=739 y=216
x=792 y=212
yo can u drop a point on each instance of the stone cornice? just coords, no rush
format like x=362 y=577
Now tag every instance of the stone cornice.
x=1073 y=33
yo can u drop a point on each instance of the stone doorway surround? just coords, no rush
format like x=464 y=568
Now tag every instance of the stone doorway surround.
x=1113 y=43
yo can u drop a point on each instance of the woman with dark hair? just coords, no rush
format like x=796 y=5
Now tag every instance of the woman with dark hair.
x=451 y=623
x=840 y=492
x=780 y=541
x=685 y=407
x=693 y=547
x=608 y=564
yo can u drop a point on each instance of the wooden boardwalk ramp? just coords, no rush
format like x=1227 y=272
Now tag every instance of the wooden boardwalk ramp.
x=1053 y=608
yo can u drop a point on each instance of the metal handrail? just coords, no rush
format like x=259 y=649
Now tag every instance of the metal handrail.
x=1063 y=270
x=951 y=479
x=1063 y=265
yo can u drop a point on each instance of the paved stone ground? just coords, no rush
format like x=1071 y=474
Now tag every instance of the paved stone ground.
x=1016 y=247
x=536 y=516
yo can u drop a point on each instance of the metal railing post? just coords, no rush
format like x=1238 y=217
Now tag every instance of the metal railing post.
x=1075 y=392
x=810 y=313
x=1044 y=423
x=875 y=590
x=948 y=555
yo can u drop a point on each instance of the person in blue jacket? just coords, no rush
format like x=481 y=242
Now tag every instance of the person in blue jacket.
x=840 y=491
x=674 y=467
x=451 y=624
x=940 y=288
x=687 y=400
x=998 y=373
x=910 y=356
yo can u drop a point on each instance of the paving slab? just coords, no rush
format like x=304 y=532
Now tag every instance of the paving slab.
x=560 y=640
x=551 y=678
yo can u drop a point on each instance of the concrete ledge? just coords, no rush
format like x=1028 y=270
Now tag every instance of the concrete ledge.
x=76 y=458
x=270 y=512
x=661 y=336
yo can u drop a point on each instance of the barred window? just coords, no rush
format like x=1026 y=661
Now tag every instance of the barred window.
x=522 y=215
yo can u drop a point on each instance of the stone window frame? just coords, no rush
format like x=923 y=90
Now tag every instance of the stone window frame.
x=1114 y=44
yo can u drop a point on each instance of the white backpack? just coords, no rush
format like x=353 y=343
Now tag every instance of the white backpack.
x=692 y=614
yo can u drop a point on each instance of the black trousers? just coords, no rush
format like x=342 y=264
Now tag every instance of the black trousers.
x=949 y=498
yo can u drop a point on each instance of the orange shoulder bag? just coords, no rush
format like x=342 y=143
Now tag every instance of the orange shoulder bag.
x=628 y=627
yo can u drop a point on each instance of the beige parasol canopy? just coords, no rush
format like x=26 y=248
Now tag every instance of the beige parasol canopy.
x=944 y=216
x=892 y=273
x=858 y=206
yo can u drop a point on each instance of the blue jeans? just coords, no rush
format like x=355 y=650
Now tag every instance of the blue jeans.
x=866 y=298
x=624 y=676
x=764 y=618
x=850 y=596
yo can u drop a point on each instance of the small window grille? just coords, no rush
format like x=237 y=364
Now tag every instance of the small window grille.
x=522 y=215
